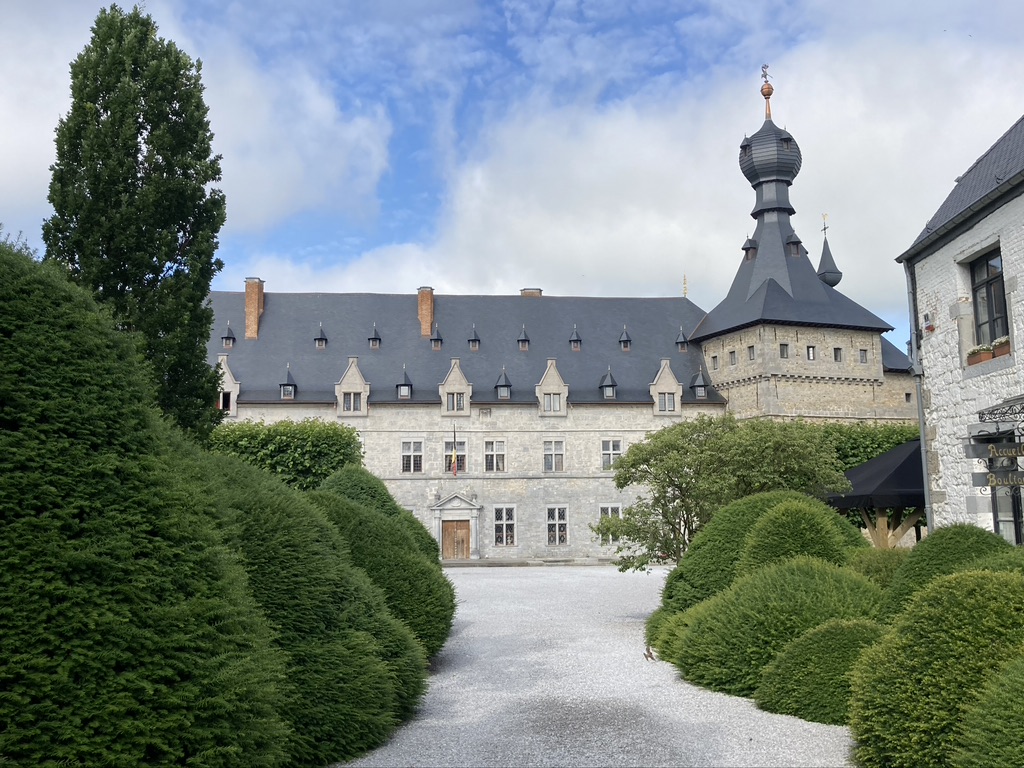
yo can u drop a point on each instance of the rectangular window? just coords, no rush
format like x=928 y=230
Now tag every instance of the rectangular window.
x=666 y=401
x=494 y=455
x=455 y=451
x=287 y=392
x=732 y=357
x=611 y=510
x=989 y=298
x=504 y=526
x=863 y=355
x=811 y=353
x=558 y=526
x=225 y=401
x=750 y=353
x=554 y=455
x=412 y=455
x=837 y=354
x=610 y=451
x=784 y=351
x=352 y=401
x=552 y=402
x=714 y=362
x=456 y=401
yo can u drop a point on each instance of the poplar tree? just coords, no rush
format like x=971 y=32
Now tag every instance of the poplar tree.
x=135 y=216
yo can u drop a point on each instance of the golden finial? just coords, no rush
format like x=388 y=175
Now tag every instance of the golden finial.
x=766 y=91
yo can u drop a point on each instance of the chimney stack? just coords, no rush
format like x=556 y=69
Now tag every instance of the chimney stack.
x=426 y=310
x=531 y=292
x=253 y=306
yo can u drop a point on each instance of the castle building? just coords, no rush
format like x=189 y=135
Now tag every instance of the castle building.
x=497 y=420
x=963 y=273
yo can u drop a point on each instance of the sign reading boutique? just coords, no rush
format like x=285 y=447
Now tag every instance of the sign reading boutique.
x=1000 y=478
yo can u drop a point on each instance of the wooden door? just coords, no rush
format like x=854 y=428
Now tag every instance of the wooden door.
x=455 y=539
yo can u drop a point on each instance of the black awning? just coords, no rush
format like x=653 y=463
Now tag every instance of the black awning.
x=893 y=480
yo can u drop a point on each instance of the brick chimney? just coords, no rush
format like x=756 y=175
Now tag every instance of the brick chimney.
x=253 y=306
x=426 y=310
x=531 y=292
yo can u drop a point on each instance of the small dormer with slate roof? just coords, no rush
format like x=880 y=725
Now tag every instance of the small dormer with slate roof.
x=374 y=338
x=523 y=340
x=403 y=389
x=700 y=386
x=575 y=340
x=503 y=387
x=352 y=391
x=456 y=391
x=228 y=339
x=608 y=385
x=289 y=389
x=435 y=340
x=682 y=343
x=474 y=340
x=666 y=391
x=625 y=342
x=552 y=392
x=320 y=340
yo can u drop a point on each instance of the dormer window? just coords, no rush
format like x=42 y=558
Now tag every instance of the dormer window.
x=681 y=342
x=793 y=245
x=749 y=249
x=287 y=391
x=607 y=385
x=787 y=143
x=321 y=339
x=524 y=341
x=436 y=340
x=474 y=340
x=228 y=339
x=404 y=388
x=504 y=386
x=575 y=341
x=374 y=338
x=700 y=386
x=624 y=340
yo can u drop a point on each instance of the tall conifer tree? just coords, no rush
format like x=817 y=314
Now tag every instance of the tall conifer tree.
x=135 y=216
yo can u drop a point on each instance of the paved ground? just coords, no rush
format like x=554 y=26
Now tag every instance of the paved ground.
x=545 y=667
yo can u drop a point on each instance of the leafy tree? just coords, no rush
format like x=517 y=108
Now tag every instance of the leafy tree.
x=855 y=443
x=303 y=453
x=135 y=219
x=690 y=469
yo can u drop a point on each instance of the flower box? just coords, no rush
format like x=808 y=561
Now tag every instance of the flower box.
x=1001 y=346
x=979 y=354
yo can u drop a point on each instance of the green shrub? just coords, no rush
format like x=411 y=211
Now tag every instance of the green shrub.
x=709 y=564
x=809 y=677
x=1011 y=559
x=738 y=632
x=879 y=565
x=303 y=578
x=990 y=733
x=946 y=550
x=789 y=529
x=302 y=453
x=417 y=591
x=127 y=631
x=359 y=484
x=912 y=688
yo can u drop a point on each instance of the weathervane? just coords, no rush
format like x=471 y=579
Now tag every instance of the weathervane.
x=824 y=224
x=766 y=91
x=764 y=72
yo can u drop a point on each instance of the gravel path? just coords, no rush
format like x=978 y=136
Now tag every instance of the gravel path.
x=545 y=667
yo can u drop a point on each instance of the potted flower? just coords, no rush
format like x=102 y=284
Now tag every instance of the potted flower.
x=1001 y=346
x=979 y=354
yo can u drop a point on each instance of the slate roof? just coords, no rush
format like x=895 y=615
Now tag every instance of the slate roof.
x=994 y=177
x=291 y=321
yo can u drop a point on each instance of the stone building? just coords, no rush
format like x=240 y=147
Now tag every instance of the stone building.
x=497 y=419
x=963 y=272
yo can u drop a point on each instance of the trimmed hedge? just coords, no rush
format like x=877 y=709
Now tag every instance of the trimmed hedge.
x=913 y=687
x=709 y=564
x=303 y=578
x=416 y=589
x=127 y=632
x=359 y=484
x=1002 y=560
x=737 y=632
x=879 y=565
x=947 y=550
x=809 y=677
x=789 y=529
x=990 y=733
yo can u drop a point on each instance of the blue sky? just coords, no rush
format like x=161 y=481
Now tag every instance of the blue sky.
x=585 y=147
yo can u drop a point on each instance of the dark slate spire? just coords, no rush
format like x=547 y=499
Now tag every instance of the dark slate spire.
x=828 y=272
x=776 y=282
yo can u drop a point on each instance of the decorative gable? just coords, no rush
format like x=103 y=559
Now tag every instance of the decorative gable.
x=552 y=392
x=455 y=391
x=666 y=391
x=229 y=388
x=352 y=391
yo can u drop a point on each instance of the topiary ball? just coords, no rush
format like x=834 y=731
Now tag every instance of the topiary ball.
x=789 y=529
x=879 y=565
x=990 y=733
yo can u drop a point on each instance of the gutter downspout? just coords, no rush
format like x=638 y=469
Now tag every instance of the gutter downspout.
x=918 y=372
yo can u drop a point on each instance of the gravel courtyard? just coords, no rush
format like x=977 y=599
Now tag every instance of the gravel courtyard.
x=545 y=667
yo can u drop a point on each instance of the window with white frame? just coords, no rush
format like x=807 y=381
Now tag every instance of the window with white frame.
x=504 y=526
x=611 y=450
x=614 y=511
x=456 y=401
x=811 y=352
x=412 y=455
x=666 y=402
x=990 y=321
x=558 y=526
x=455 y=453
x=554 y=455
x=352 y=401
x=494 y=455
x=552 y=402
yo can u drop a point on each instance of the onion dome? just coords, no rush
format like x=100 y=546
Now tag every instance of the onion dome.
x=772 y=153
